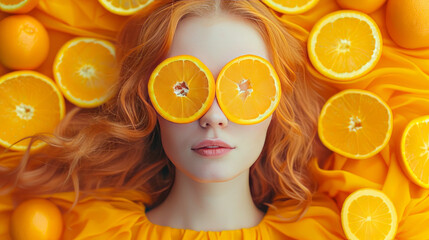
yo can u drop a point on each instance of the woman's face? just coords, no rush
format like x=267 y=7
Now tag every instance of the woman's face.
x=214 y=149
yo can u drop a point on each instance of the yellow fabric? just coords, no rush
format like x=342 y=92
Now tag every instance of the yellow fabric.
x=78 y=17
x=400 y=78
x=107 y=215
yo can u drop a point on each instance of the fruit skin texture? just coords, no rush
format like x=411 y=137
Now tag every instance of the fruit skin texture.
x=36 y=219
x=24 y=42
x=407 y=22
x=366 y=6
x=30 y=5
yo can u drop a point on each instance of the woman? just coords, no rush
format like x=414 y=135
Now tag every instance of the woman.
x=259 y=188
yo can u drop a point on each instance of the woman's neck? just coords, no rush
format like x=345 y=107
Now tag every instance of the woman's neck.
x=208 y=206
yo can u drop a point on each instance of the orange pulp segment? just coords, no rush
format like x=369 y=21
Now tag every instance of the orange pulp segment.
x=345 y=45
x=415 y=151
x=181 y=89
x=124 y=7
x=369 y=214
x=85 y=70
x=355 y=123
x=291 y=7
x=30 y=103
x=248 y=89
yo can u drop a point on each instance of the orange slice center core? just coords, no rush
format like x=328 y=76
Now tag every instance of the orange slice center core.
x=355 y=124
x=245 y=89
x=181 y=89
x=344 y=46
x=24 y=112
x=87 y=71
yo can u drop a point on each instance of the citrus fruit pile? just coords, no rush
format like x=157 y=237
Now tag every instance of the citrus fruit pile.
x=31 y=102
x=344 y=46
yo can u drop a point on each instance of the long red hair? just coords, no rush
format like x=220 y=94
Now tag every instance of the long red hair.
x=118 y=144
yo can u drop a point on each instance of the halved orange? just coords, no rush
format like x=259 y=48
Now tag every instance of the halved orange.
x=18 y=6
x=345 y=45
x=355 y=123
x=85 y=70
x=291 y=6
x=124 y=7
x=369 y=214
x=30 y=103
x=415 y=151
x=248 y=89
x=181 y=89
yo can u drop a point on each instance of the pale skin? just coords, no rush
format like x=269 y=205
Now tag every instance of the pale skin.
x=212 y=193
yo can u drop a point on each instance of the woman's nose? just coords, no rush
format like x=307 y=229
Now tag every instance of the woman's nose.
x=214 y=117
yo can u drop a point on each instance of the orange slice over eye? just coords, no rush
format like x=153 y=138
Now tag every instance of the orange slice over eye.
x=355 y=123
x=248 y=89
x=30 y=103
x=369 y=214
x=181 y=89
x=415 y=151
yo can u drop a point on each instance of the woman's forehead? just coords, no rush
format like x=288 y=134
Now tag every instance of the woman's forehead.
x=216 y=40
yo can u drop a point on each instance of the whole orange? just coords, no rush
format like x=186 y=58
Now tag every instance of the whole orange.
x=408 y=23
x=36 y=219
x=366 y=6
x=24 y=42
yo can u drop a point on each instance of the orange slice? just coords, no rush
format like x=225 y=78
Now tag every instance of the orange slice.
x=85 y=70
x=369 y=214
x=124 y=7
x=415 y=151
x=30 y=103
x=291 y=6
x=248 y=89
x=345 y=45
x=355 y=123
x=181 y=89
x=18 y=6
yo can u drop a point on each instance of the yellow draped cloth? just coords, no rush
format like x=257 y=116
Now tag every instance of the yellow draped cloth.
x=400 y=78
x=113 y=215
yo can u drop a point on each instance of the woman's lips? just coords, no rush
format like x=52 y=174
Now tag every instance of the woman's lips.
x=211 y=148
